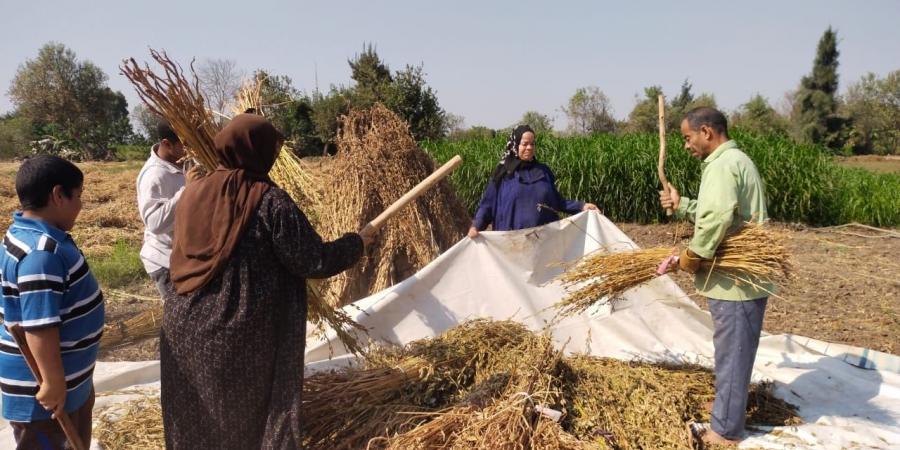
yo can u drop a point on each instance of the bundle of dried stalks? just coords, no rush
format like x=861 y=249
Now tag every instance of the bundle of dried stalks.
x=145 y=324
x=754 y=255
x=136 y=425
x=171 y=96
x=606 y=276
x=302 y=184
x=377 y=162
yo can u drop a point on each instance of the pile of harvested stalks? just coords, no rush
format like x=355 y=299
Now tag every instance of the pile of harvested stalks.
x=448 y=392
x=634 y=405
x=606 y=403
x=179 y=102
x=755 y=255
x=136 y=425
x=377 y=162
x=423 y=377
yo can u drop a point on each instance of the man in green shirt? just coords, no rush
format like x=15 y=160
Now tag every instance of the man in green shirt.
x=731 y=193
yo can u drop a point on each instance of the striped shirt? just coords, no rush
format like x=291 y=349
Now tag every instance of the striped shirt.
x=46 y=282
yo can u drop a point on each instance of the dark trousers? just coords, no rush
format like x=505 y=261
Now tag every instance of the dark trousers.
x=48 y=435
x=736 y=329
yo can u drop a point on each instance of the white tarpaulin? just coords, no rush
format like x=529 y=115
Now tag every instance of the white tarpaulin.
x=509 y=275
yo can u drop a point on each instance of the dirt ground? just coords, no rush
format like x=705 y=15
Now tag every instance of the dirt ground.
x=847 y=285
x=875 y=163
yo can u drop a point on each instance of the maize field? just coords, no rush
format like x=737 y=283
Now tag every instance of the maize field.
x=618 y=173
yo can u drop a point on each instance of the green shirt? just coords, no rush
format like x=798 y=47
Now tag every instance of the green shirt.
x=731 y=193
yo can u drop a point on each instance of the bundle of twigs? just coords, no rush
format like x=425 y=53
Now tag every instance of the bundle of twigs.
x=144 y=325
x=171 y=96
x=606 y=276
x=755 y=255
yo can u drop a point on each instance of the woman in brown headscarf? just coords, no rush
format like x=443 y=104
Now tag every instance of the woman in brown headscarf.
x=233 y=336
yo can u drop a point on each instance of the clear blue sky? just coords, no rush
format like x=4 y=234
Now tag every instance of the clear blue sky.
x=488 y=61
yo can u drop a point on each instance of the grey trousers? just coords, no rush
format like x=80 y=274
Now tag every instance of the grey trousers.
x=736 y=329
x=160 y=277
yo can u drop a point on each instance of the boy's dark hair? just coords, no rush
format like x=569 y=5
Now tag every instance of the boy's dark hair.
x=39 y=174
x=164 y=131
x=710 y=117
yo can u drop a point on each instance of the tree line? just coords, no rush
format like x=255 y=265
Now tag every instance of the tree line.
x=63 y=105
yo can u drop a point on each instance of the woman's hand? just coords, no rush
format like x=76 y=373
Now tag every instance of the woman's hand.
x=368 y=235
x=589 y=207
x=473 y=232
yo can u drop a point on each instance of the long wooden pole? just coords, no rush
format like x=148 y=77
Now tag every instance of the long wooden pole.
x=661 y=166
x=414 y=193
x=18 y=334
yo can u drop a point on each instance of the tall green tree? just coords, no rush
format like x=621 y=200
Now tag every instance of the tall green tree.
x=290 y=111
x=758 y=116
x=815 y=105
x=873 y=107
x=589 y=111
x=404 y=92
x=371 y=74
x=644 y=118
x=540 y=123
x=413 y=100
x=70 y=100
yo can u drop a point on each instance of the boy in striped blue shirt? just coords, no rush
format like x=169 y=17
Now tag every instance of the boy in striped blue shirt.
x=50 y=292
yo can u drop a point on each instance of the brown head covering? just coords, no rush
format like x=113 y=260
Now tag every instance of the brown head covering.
x=214 y=210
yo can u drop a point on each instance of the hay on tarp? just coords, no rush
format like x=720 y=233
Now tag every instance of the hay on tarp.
x=400 y=382
x=754 y=255
x=449 y=392
x=477 y=396
x=634 y=404
x=377 y=162
x=134 y=425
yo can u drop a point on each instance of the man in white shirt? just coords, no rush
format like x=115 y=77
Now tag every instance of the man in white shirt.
x=159 y=186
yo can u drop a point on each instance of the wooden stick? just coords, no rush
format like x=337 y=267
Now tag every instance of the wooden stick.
x=414 y=193
x=18 y=335
x=661 y=167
